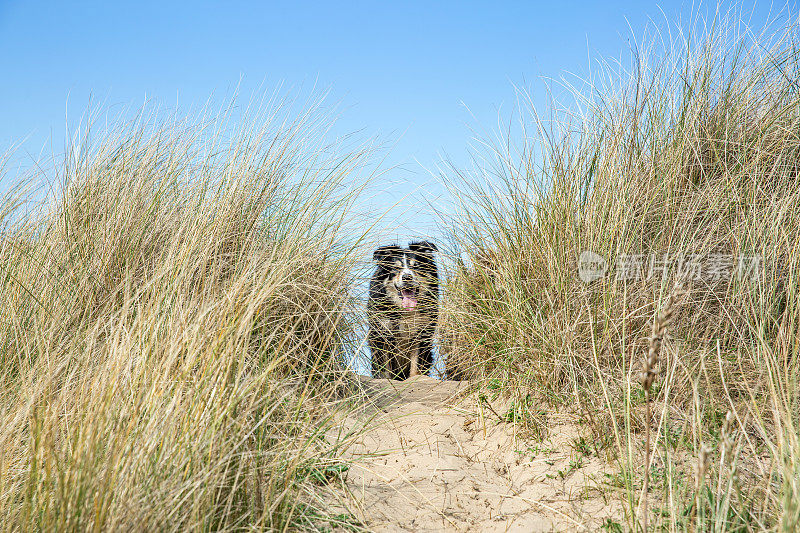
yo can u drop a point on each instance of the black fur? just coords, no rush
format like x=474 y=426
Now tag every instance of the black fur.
x=396 y=331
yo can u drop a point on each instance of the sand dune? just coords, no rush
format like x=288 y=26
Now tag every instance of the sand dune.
x=432 y=460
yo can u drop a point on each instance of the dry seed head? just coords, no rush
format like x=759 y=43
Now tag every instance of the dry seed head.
x=726 y=426
x=727 y=438
x=659 y=330
x=703 y=460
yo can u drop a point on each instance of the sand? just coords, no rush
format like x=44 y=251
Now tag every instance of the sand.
x=431 y=459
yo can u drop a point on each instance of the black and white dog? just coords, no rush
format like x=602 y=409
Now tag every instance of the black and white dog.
x=402 y=310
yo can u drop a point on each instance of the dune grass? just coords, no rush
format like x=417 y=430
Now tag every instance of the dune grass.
x=174 y=309
x=690 y=150
x=176 y=303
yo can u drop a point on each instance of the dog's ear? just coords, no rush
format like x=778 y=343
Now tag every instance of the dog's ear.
x=383 y=253
x=423 y=247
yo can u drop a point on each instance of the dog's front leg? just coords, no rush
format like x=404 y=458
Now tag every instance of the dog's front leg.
x=414 y=362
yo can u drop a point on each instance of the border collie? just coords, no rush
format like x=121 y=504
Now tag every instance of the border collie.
x=402 y=310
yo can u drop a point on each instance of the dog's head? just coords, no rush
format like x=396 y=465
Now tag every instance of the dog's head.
x=408 y=275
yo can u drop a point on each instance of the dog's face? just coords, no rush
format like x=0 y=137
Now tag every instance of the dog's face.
x=407 y=275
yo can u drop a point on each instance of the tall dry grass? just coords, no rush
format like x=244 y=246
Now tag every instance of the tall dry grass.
x=692 y=149
x=173 y=315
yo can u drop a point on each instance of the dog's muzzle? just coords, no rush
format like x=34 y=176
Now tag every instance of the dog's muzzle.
x=409 y=293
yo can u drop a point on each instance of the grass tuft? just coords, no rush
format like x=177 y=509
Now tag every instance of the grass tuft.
x=680 y=167
x=173 y=319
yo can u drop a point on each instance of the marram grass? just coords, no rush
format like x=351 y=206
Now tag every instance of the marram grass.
x=172 y=321
x=173 y=313
x=691 y=150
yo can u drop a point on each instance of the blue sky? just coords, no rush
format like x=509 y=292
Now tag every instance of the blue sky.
x=422 y=75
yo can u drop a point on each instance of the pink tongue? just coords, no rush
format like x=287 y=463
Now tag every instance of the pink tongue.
x=409 y=300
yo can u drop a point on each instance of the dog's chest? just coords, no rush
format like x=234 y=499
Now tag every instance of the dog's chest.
x=408 y=329
x=409 y=324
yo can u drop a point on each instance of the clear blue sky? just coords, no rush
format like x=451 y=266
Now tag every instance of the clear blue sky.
x=404 y=70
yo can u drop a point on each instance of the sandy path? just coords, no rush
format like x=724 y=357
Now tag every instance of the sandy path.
x=427 y=464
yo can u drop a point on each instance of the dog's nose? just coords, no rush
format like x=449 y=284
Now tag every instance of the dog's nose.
x=407 y=277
